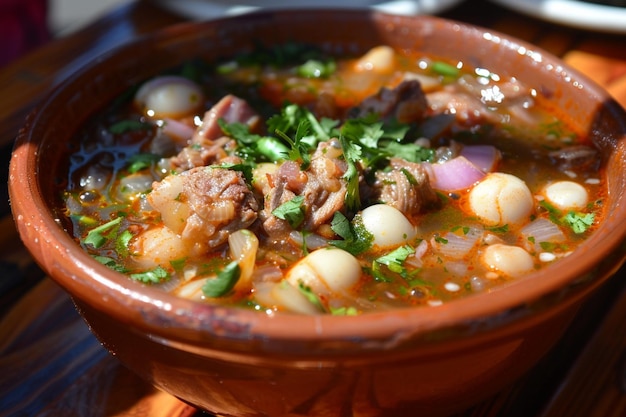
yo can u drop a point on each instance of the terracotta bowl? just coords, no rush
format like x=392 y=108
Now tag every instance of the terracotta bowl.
x=427 y=361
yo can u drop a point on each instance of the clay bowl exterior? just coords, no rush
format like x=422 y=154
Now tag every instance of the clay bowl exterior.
x=429 y=361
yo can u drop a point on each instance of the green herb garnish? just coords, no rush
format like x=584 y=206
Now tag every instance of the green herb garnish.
x=98 y=236
x=154 y=276
x=578 y=222
x=141 y=161
x=394 y=261
x=356 y=239
x=292 y=211
x=224 y=282
x=129 y=126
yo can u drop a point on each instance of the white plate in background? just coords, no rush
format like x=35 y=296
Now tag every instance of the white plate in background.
x=580 y=14
x=208 y=9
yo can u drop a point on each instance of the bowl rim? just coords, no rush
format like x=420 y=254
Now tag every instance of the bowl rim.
x=159 y=312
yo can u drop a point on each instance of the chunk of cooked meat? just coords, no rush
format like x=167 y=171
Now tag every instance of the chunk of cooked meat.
x=210 y=202
x=325 y=190
x=575 y=158
x=406 y=187
x=208 y=144
x=321 y=185
x=406 y=103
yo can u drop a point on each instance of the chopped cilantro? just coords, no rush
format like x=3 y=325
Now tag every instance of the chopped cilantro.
x=97 y=236
x=299 y=123
x=464 y=229
x=356 y=239
x=178 y=264
x=311 y=296
x=352 y=154
x=299 y=149
x=579 y=222
x=292 y=211
x=553 y=212
x=244 y=168
x=129 y=126
x=498 y=229
x=83 y=220
x=153 y=276
x=314 y=68
x=141 y=161
x=445 y=69
x=394 y=261
x=223 y=282
x=441 y=240
x=110 y=263
x=409 y=151
x=251 y=146
x=548 y=246
x=409 y=176
x=344 y=311
x=289 y=53
x=122 y=242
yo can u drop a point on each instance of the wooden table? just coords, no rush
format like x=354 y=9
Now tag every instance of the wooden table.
x=51 y=365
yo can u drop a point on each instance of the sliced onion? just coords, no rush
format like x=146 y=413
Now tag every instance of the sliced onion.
x=178 y=131
x=133 y=184
x=416 y=260
x=221 y=211
x=243 y=248
x=485 y=157
x=192 y=290
x=454 y=175
x=542 y=230
x=283 y=296
x=312 y=241
x=458 y=268
x=456 y=245
x=267 y=273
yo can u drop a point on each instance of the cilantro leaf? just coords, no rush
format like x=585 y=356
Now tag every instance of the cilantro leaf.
x=315 y=68
x=97 y=236
x=122 y=242
x=352 y=155
x=153 y=276
x=251 y=146
x=129 y=126
x=394 y=261
x=408 y=151
x=244 y=168
x=300 y=150
x=110 y=263
x=579 y=222
x=223 y=282
x=141 y=161
x=299 y=123
x=498 y=229
x=356 y=238
x=311 y=296
x=292 y=211
x=344 y=311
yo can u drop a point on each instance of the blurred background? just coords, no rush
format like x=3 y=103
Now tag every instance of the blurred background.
x=68 y=15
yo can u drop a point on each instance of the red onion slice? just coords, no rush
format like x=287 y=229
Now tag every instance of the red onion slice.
x=454 y=175
x=179 y=131
x=485 y=157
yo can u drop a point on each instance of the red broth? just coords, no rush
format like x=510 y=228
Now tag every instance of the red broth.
x=291 y=180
